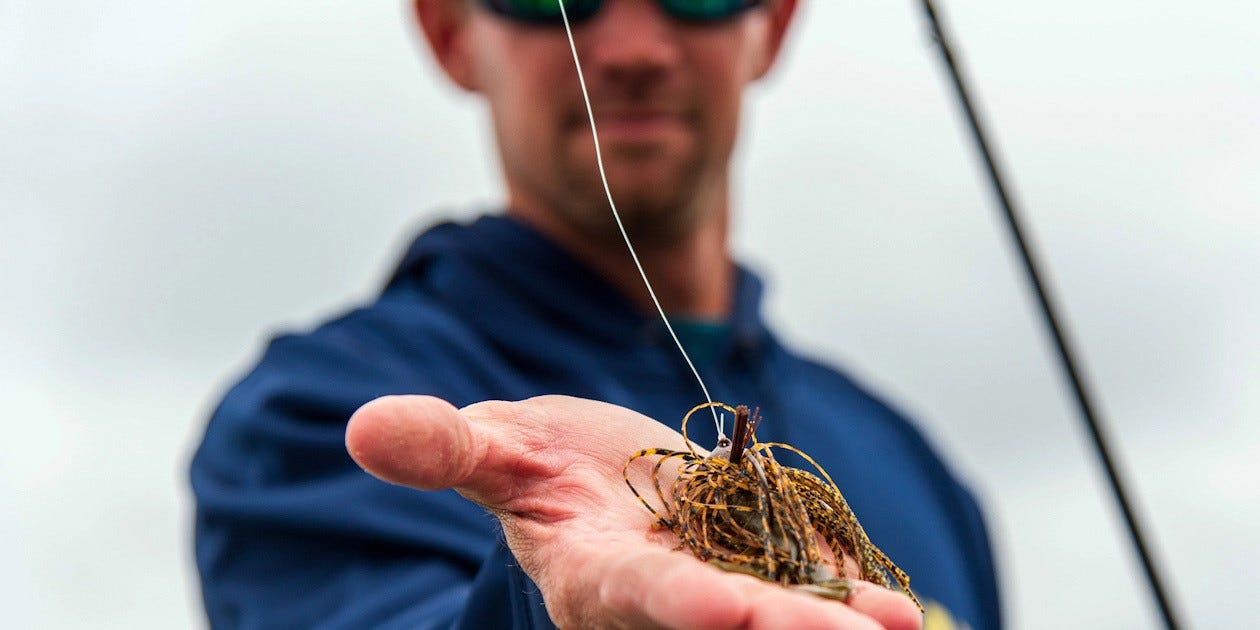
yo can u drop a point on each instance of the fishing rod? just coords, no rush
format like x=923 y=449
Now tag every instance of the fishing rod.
x=1051 y=320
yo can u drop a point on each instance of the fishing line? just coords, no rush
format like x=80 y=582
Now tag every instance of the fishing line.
x=599 y=159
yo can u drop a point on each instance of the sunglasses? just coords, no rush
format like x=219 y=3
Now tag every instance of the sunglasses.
x=545 y=12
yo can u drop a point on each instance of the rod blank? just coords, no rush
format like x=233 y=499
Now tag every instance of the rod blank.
x=1048 y=311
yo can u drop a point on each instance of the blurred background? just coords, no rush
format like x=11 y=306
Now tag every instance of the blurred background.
x=178 y=181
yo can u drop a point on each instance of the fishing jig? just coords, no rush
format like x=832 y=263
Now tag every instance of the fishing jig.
x=741 y=510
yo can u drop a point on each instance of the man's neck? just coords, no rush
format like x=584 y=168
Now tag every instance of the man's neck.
x=692 y=277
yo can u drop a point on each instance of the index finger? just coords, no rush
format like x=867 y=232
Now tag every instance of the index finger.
x=659 y=588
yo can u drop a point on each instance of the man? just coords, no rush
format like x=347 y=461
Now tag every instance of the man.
x=545 y=300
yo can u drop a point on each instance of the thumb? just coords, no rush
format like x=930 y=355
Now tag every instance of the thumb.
x=496 y=453
x=418 y=441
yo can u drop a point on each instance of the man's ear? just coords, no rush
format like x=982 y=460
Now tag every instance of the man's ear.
x=780 y=14
x=445 y=24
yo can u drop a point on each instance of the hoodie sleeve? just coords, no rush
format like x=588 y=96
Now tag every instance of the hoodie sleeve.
x=290 y=533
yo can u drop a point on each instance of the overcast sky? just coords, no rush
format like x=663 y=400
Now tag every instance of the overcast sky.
x=180 y=180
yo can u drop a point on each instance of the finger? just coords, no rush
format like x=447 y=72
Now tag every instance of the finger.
x=417 y=441
x=595 y=430
x=891 y=609
x=495 y=453
x=665 y=589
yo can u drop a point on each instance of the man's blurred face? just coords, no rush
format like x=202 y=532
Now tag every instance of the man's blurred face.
x=666 y=97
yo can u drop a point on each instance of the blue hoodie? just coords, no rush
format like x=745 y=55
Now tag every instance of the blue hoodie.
x=290 y=533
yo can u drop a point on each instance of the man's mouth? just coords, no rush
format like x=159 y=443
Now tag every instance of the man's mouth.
x=638 y=125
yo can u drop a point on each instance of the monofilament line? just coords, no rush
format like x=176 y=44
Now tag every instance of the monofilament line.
x=599 y=160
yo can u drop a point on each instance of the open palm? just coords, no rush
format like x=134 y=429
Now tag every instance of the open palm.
x=550 y=469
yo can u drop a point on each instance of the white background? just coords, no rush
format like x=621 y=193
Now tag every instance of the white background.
x=178 y=180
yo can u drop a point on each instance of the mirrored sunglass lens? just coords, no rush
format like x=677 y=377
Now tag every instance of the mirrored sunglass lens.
x=545 y=10
x=704 y=10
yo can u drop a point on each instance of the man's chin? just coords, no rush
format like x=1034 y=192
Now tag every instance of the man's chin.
x=650 y=218
x=634 y=158
x=656 y=194
x=655 y=182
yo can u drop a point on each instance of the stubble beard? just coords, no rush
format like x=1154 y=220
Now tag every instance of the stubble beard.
x=656 y=211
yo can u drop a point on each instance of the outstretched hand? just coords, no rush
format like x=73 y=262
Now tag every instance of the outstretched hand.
x=550 y=469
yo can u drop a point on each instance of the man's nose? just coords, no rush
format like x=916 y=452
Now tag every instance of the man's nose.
x=630 y=39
